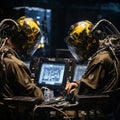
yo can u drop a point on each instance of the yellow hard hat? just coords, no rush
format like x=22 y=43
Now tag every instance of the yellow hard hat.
x=80 y=41
x=31 y=29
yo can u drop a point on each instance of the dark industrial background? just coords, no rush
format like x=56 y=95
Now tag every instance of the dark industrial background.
x=56 y=16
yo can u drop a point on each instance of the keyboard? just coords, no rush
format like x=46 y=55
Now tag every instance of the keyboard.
x=54 y=101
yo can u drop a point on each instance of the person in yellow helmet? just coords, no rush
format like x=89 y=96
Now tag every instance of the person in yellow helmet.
x=17 y=39
x=95 y=44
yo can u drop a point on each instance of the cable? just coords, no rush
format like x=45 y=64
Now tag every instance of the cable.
x=115 y=30
x=3 y=44
x=10 y=20
x=49 y=106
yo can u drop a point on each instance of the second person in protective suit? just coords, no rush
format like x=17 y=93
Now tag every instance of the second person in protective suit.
x=99 y=45
x=88 y=42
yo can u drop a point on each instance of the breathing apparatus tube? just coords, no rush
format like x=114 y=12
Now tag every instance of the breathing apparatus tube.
x=108 y=25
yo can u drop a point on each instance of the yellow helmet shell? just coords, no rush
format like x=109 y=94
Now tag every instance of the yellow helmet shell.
x=80 y=30
x=82 y=26
x=80 y=39
x=30 y=27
